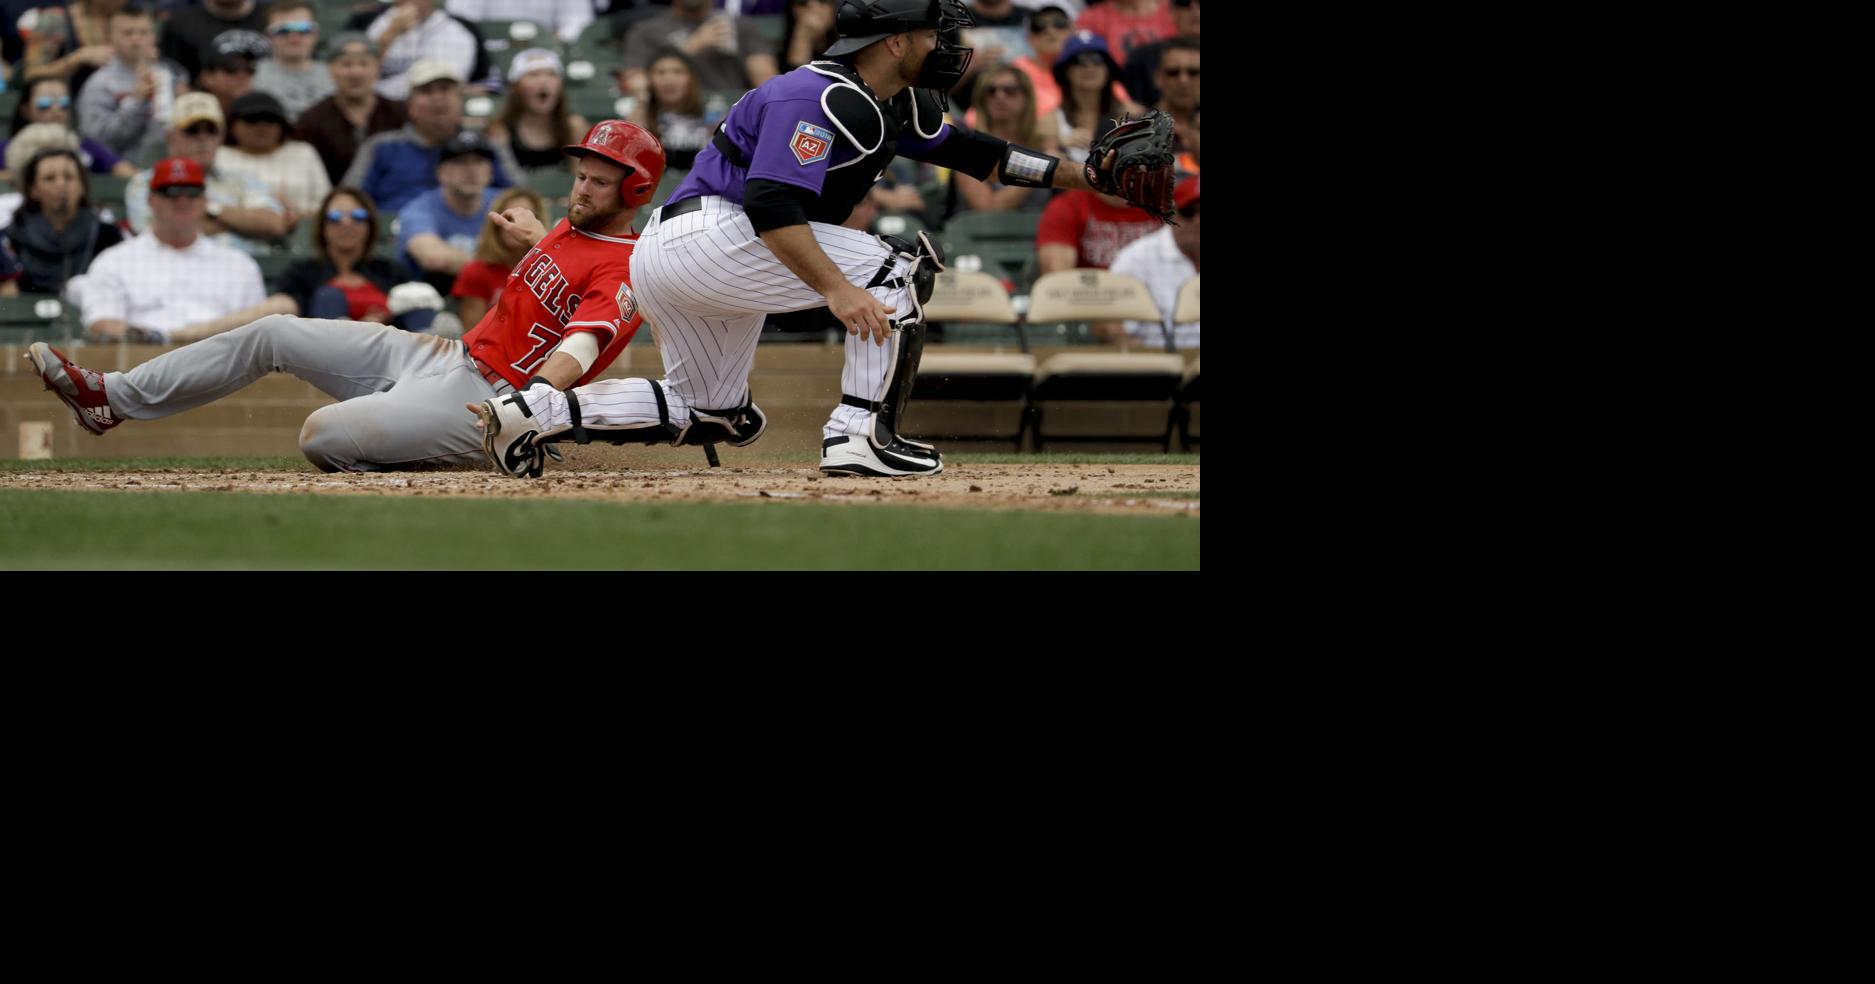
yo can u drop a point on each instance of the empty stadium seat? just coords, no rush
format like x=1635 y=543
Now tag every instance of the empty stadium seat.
x=1005 y=241
x=986 y=394
x=28 y=318
x=1097 y=396
x=1187 y=310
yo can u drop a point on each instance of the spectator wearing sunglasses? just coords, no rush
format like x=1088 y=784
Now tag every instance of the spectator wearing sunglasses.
x=1177 y=77
x=344 y=280
x=172 y=283
x=228 y=71
x=49 y=101
x=126 y=104
x=290 y=169
x=1128 y=25
x=1140 y=74
x=1005 y=108
x=1049 y=28
x=291 y=75
x=1085 y=72
x=240 y=211
x=56 y=233
x=190 y=31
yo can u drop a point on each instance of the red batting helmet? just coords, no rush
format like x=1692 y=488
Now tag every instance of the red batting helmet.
x=628 y=145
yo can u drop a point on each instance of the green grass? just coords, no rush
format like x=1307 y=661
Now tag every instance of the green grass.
x=219 y=531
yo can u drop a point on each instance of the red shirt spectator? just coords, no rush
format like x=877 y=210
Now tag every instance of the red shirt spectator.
x=1082 y=229
x=1129 y=24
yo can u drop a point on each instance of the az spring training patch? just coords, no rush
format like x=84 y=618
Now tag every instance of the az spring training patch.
x=811 y=144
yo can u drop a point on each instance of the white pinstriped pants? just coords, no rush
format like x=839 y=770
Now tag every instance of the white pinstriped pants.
x=706 y=283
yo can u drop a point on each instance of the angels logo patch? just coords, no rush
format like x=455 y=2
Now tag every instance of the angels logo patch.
x=627 y=304
x=811 y=144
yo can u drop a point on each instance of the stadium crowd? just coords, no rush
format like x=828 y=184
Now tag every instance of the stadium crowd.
x=313 y=158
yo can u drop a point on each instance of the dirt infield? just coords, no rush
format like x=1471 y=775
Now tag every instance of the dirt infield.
x=1089 y=488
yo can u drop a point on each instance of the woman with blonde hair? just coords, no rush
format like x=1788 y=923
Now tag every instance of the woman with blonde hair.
x=1003 y=105
x=479 y=284
x=534 y=120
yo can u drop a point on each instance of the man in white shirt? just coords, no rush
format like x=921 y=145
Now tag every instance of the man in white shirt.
x=413 y=31
x=242 y=213
x=172 y=277
x=1164 y=260
x=565 y=18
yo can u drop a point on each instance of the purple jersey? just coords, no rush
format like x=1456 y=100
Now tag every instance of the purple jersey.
x=786 y=131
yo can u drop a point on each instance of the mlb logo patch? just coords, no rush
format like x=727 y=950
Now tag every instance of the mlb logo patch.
x=811 y=144
x=627 y=303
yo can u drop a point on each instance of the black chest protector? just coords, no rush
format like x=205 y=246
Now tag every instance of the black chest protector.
x=869 y=134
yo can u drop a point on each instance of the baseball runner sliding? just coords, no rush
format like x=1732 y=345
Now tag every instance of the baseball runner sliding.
x=754 y=230
x=565 y=314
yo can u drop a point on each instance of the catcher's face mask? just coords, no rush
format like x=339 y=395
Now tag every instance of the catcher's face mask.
x=944 y=66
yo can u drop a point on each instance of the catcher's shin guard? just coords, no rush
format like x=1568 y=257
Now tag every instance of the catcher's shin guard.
x=889 y=410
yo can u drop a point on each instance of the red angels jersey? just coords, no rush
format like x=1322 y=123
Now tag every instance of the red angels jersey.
x=571 y=281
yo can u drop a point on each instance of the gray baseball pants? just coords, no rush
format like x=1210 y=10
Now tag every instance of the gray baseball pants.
x=402 y=394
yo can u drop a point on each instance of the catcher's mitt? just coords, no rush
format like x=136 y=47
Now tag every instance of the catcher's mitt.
x=1142 y=168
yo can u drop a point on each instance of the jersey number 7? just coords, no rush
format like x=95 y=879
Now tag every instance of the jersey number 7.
x=544 y=338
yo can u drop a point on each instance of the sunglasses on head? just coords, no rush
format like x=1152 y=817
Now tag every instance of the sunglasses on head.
x=293 y=27
x=1041 y=24
x=1173 y=73
x=47 y=102
x=181 y=191
x=356 y=215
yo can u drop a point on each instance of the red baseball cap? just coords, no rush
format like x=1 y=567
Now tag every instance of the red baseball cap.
x=1185 y=192
x=176 y=171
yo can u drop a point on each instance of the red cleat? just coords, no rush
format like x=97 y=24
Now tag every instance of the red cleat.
x=82 y=389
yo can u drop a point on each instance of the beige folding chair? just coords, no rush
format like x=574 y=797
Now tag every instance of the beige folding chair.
x=985 y=394
x=1187 y=310
x=1101 y=396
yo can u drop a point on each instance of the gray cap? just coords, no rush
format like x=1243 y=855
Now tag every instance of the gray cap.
x=343 y=38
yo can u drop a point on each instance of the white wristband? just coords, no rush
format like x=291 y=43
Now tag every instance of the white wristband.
x=583 y=346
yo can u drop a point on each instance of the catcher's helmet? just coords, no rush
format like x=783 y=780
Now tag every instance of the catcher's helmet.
x=861 y=22
x=630 y=146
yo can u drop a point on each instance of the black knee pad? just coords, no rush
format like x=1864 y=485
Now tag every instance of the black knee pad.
x=927 y=263
x=738 y=427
